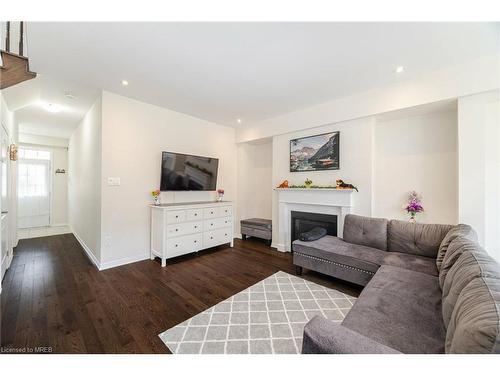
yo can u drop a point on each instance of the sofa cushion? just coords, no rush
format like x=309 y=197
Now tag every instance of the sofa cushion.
x=456 y=248
x=416 y=238
x=461 y=230
x=470 y=265
x=335 y=249
x=400 y=309
x=335 y=257
x=474 y=326
x=366 y=231
x=411 y=262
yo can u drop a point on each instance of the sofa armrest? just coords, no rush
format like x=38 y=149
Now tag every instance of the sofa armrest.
x=322 y=336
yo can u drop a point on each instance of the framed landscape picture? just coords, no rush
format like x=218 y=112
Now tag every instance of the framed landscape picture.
x=315 y=153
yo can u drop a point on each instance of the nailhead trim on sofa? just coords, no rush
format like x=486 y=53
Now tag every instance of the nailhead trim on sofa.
x=335 y=263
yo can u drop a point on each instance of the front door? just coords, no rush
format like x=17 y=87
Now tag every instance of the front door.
x=33 y=188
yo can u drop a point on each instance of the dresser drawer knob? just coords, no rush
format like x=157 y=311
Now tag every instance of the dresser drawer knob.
x=211 y=238
x=176 y=245
x=176 y=230
x=176 y=216
x=195 y=241
x=195 y=214
x=195 y=226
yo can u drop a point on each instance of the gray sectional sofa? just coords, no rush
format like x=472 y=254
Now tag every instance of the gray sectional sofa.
x=428 y=288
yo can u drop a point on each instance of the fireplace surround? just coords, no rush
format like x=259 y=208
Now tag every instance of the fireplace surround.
x=337 y=202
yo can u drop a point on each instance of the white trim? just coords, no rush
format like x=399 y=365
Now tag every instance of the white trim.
x=89 y=252
x=123 y=261
x=60 y=225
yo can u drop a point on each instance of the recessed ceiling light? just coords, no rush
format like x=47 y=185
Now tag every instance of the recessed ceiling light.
x=400 y=69
x=70 y=96
x=238 y=121
x=124 y=83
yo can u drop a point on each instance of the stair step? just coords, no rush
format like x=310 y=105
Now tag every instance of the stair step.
x=15 y=69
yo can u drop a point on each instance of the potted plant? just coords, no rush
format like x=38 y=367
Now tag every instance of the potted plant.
x=308 y=183
x=414 y=205
x=220 y=195
x=156 y=197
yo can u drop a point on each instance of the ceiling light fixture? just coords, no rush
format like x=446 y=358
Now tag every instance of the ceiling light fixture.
x=238 y=121
x=400 y=69
x=124 y=83
x=70 y=96
x=51 y=107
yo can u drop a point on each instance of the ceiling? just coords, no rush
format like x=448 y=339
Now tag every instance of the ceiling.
x=251 y=71
x=31 y=100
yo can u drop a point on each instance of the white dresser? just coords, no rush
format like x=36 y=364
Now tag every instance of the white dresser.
x=182 y=228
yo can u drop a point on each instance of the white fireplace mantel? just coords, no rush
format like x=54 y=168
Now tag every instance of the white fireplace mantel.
x=322 y=201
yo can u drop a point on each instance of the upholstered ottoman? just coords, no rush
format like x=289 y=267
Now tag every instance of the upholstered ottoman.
x=260 y=228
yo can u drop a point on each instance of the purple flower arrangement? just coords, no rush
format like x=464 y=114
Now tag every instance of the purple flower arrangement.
x=414 y=205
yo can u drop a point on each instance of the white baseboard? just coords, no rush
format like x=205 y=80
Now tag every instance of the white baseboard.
x=123 y=261
x=59 y=225
x=279 y=247
x=89 y=252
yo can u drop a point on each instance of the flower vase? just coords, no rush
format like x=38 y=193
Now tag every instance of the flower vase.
x=156 y=200
x=219 y=198
x=412 y=218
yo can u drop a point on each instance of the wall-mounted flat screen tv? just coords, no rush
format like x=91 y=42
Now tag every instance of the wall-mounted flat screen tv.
x=188 y=172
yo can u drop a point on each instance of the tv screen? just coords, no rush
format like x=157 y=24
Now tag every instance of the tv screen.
x=188 y=172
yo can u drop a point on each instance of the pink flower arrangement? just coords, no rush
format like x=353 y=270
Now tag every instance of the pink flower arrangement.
x=155 y=193
x=220 y=194
x=414 y=205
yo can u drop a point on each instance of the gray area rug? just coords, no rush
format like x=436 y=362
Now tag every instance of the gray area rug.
x=267 y=318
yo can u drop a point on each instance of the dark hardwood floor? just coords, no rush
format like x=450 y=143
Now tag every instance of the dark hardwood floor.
x=54 y=297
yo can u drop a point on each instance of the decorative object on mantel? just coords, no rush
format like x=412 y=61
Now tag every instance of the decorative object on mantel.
x=60 y=171
x=220 y=195
x=315 y=153
x=342 y=185
x=13 y=152
x=156 y=197
x=283 y=185
x=414 y=205
x=308 y=184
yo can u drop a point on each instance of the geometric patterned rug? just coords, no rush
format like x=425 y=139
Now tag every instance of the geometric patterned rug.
x=267 y=318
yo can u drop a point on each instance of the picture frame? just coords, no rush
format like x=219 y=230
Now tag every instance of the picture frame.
x=319 y=152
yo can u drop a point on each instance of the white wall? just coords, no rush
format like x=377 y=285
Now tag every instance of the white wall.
x=479 y=166
x=59 y=193
x=255 y=180
x=417 y=153
x=356 y=142
x=133 y=136
x=84 y=181
x=385 y=160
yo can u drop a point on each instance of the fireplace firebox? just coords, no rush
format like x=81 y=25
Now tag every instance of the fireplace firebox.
x=305 y=221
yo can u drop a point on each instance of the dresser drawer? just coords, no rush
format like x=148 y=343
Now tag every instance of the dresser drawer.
x=216 y=237
x=182 y=229
x=183 y=245
x=196 y=214
x=176 y=216
x=211 y=212
x=225 y=211
x=220 y=222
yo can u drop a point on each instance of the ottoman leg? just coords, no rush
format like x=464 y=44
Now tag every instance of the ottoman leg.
x=269 y=242
x=298 y=270
x=243 y=237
